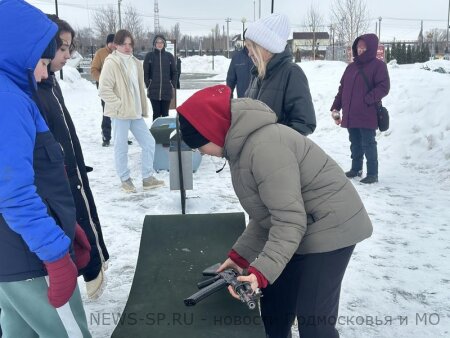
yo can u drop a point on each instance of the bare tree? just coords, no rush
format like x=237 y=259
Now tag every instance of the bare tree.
x=313 y=21
x=133 y=23
x=437 y=38
x=85 y=41
x=176 y=32
x=106 y=21
x=351 y=19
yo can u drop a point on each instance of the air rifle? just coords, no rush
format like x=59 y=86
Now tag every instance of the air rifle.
x=221 y=280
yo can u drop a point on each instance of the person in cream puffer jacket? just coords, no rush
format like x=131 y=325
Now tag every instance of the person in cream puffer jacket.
x=122 y=88
x=305 y=215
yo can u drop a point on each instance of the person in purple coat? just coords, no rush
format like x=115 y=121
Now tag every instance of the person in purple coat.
x=359 y=102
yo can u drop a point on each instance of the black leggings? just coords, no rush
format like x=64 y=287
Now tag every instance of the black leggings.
x=309 y=289
x=160 y=108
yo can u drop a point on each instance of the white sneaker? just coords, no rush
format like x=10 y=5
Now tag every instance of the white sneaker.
x=95 y=287
x=128 y=186
x=151 y=183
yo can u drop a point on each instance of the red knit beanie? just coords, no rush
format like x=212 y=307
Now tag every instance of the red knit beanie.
x=208 y=111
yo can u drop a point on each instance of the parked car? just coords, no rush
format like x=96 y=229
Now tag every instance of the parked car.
x=140 y=55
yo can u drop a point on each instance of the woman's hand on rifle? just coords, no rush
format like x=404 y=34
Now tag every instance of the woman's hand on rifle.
x=230 y=264
x=250 y=279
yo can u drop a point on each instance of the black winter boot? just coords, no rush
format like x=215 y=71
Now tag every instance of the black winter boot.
x=369 y=179
x=353 y=173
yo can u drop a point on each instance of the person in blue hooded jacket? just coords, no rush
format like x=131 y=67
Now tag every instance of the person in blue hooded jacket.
x=41 y=245
x=239 y=72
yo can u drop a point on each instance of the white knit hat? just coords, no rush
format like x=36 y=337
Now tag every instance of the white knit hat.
x=270 y=32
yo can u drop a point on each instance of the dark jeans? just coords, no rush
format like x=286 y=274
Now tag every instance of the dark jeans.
x=160 y=108
x=106 y=124
x=309 y=289
x=106 y=128
x=362 y=142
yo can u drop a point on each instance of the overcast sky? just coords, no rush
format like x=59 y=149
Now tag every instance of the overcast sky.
x=400 y=18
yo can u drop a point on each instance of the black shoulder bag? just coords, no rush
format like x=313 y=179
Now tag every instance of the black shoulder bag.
x=382 y=112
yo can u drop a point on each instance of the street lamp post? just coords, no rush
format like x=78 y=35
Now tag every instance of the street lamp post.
x=243 y=20
x=61 y=76
x=228 y=20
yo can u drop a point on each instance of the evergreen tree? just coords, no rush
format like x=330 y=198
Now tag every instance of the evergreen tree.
x=414 y=54
x=408 y=54
x=400 y=58
x=427 y=53
x=420 y=53
x=393 y=52
x=388 y=54
x=404 y=59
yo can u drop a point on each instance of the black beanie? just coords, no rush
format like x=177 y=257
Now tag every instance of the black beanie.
x=110 y=38
x=50 y=51
x=190 y=135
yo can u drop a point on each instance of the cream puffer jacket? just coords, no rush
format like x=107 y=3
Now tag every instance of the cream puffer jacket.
x=116 y=90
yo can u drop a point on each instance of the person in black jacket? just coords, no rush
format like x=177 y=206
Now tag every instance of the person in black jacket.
x=61 y=125
x=160 y=76
x=276 y=79
x=239 y=72
x=178 y=72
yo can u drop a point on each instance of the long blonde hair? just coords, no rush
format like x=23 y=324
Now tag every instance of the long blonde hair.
x=261 y=57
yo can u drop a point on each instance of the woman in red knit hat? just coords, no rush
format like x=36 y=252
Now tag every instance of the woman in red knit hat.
x=305 y=216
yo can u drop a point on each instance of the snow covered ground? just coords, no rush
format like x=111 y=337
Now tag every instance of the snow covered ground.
x=398 y=281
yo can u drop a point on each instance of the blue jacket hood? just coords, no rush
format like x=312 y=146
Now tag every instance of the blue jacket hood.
x=25 y=33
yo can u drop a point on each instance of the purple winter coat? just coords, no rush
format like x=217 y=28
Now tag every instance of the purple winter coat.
x=357 y=103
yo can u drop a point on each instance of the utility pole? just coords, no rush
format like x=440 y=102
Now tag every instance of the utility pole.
x=228 y=20
x=332 y=38
x=379 y=29
x=254 y=10
x=120 y=16
x=313 y=43
x=213 y=33
x=448 y=25
x=156 y=17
